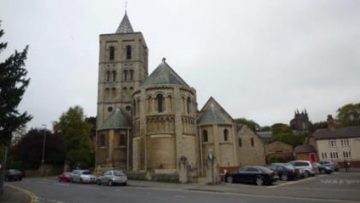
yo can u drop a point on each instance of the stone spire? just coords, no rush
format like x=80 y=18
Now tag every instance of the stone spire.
x=125 y=25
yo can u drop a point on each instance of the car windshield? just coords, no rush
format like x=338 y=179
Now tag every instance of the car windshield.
x=86 y=173
x=118 y=173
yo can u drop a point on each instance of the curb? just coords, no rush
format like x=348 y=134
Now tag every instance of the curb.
x=32 y=198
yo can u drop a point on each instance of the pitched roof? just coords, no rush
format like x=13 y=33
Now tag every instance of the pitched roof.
x=304 y=148
x=125 y=25
x=164 y=75
x=213 y=113
x=328 y=133
x=117 y=119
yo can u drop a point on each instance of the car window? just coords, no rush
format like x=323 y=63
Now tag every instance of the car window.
x=107 y=173
x=118 y=173
x=251 y=169
x=86 y=173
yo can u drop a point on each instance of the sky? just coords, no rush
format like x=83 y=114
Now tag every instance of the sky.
x=259 y=59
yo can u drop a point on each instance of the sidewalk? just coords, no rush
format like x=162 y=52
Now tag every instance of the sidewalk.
x=13 y=195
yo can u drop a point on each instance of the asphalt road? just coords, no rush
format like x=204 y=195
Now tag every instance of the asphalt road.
x=339 y=187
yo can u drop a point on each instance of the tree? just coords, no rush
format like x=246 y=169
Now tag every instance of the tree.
x=32 y=142
x=319 y=125
x=13 y=83
x=282 y=132
x=348 y=115
x=249 y=123
x=75 y=131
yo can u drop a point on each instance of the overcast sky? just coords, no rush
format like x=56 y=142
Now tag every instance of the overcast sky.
x=259 y=59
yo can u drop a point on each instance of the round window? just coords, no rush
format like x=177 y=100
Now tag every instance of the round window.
x=128 y=108
x=109 y=109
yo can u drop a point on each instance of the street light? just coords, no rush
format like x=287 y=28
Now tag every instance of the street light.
x=44 y=143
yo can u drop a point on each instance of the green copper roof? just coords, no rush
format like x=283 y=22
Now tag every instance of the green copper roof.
x=117 y=119
x=164 y=75
x=213 y=113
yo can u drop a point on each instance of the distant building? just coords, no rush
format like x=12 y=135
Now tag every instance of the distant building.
x=338 y=144
x=300 y=124
x=251 y=148
x=278 y=151
x=305 y=152
x=266 y=136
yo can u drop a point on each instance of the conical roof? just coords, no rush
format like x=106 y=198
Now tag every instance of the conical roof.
x=164 y=75
x=213 y=113
x=125 y=25
x=116 y=120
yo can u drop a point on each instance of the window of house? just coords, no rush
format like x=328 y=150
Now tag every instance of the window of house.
x=205 y=136
x=111 y=53
x=240 y=142
x=134 y=107
x=252 y=142
x=160 y=103
x=188 y=105
x=102 y=140
x=122 y=140
x=113 y=92
x=128 y=52
x=226 y=135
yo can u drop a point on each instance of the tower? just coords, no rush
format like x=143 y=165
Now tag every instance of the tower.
x=123 y=66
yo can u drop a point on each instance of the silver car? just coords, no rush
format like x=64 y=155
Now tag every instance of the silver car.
x=112 y=177
x=304 y=165
x=82 y=176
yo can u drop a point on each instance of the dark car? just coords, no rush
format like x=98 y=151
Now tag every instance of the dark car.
x=330 y=164
x=284 y=171
x=65 y=177
x=252 y=174
x=322 y=168
x=13 y=175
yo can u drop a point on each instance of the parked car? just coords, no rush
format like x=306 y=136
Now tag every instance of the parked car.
x=284 y=171
x=252 y=174
x=112 y=177
x=331 y=164
x=323 y=168
x=82 y=176
x=64 y=177
x=13 y=175
x=306 y=166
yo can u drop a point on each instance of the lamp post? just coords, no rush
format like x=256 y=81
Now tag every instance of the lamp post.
x=44 y=143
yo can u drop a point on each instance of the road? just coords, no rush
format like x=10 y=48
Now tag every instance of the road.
x=339 y=187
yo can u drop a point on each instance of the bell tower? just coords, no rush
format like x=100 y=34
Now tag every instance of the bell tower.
x=123 y=66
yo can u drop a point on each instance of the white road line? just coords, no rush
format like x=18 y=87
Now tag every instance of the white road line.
x=291 y=182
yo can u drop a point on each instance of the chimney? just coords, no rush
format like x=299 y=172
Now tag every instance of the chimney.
x=330 y=122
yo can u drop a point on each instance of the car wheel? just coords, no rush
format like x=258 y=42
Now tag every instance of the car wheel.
x=307 y=174
x=229 y=179
x=110 y=183
x=124 y=184
x=81 y=181
x=259 y=180
x=284 y=177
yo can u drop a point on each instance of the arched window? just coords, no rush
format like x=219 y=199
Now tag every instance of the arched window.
x=107 y=93
x=125 y=75
x=188 y=105
x=107 y=76
x=111 y=53
x=252 y=142
x=240 y=142
x=128 y=52
x=113 y=92
x=205 y=136
x=160 y=103
x=114 y=75
x=226 y=135
x=102 y=140
x=131 y=74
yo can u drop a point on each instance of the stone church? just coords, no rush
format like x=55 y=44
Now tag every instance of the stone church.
x=151 y=123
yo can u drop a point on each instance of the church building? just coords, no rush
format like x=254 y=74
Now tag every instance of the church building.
x=150 y=123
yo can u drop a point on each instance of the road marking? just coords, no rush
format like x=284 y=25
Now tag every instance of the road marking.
x=291 y=182
x=32 y=197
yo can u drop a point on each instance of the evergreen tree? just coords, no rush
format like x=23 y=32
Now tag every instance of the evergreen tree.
x=13 y=83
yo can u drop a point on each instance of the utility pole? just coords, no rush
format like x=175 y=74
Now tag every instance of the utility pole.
x=44 y=143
